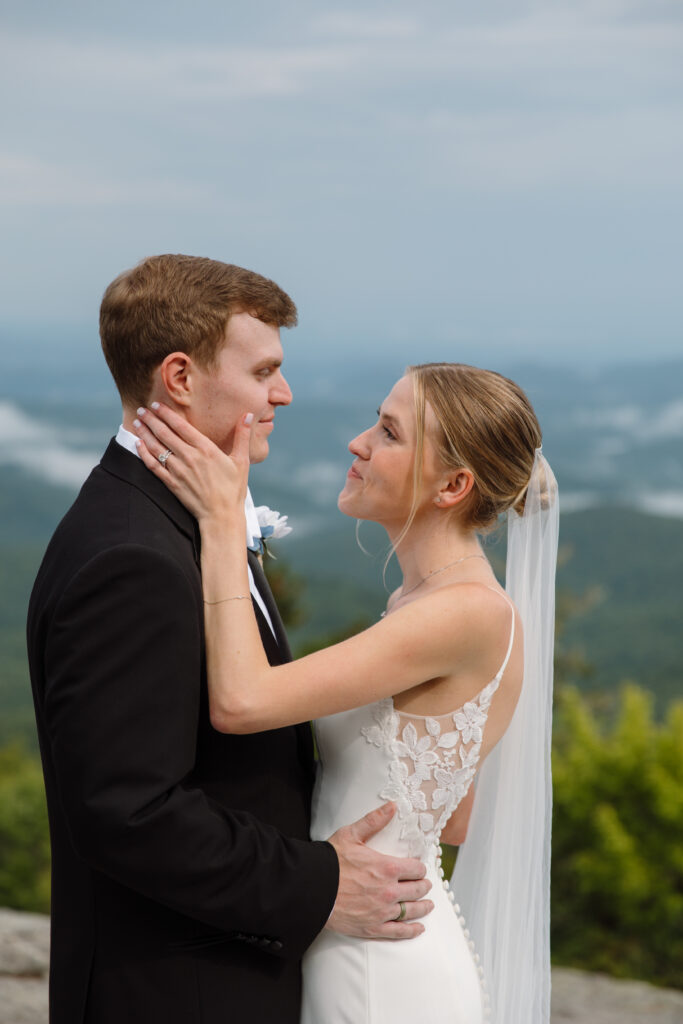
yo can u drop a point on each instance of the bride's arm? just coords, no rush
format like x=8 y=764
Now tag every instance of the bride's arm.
x=246 y=693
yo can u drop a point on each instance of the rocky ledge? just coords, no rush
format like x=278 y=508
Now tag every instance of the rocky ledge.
x=578 y=997
x=24 y=957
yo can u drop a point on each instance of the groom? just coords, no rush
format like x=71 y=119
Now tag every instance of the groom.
x=185 y=888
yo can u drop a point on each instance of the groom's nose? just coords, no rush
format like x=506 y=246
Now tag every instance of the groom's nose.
x=280 y=393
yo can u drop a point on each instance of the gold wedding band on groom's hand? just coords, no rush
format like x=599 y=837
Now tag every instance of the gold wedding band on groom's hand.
x=402 y=911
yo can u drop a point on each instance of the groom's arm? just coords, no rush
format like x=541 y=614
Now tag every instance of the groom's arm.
x=121 y=706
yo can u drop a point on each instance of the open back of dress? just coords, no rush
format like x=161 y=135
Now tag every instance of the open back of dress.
x=426 y=764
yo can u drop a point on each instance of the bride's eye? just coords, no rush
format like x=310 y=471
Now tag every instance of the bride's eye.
x=391 y=436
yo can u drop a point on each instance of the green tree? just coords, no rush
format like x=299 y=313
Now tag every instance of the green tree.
x=24 y=839
x=335 y=637
x=287 y=587
x=617 y=875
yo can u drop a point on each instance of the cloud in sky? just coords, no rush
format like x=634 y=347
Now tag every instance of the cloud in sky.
x=342 y=53
x=635 y=423
x=38 y=183
x=507 y=174
x=668 y=504
x=36 y=447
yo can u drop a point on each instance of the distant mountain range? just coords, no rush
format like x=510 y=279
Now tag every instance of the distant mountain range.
x=614 y=437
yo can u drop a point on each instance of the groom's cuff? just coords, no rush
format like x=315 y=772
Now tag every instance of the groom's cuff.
x=323 y=886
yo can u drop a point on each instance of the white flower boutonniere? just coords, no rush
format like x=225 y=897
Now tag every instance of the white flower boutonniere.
x=272 y=525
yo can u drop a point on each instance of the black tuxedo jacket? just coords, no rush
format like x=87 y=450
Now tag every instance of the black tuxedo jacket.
x=184 y=885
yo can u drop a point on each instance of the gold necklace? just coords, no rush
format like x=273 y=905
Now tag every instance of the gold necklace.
x=435 y=572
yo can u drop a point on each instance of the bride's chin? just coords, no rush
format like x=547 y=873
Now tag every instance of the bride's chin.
x=343 y=504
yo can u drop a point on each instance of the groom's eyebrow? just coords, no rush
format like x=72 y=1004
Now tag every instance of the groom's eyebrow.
x=265 y=363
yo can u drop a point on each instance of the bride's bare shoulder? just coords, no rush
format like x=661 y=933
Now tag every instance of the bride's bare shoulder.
x=473 y=597
x=460 y=622
x=473 y=611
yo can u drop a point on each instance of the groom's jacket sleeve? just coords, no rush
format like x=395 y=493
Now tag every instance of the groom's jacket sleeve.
x=121 y=704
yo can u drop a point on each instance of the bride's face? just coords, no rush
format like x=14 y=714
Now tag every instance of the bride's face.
x=379 y=485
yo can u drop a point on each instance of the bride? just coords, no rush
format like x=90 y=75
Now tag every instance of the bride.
x=453 y=684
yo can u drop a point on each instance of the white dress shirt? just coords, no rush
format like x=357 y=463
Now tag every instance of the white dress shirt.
x=253 y=531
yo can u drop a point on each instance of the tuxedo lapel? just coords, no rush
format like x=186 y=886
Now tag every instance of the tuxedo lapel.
x=126 y=466
x=123 y=464
x=270 y=644
x=283 y=653
x=265 y=592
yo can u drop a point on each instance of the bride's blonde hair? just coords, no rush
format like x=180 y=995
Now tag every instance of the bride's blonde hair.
x=485 y=424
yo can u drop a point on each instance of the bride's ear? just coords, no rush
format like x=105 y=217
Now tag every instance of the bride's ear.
x=454 y=488
x=176 y=373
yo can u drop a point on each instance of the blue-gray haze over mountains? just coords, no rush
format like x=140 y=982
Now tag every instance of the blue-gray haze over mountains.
x=614 y=434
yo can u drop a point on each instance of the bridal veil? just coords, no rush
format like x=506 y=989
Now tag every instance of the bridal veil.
x=502 y=875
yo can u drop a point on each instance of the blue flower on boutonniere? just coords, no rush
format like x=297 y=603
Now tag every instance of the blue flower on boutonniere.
x=272 y=526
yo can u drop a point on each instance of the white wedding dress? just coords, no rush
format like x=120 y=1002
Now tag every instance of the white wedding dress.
x=426 y=765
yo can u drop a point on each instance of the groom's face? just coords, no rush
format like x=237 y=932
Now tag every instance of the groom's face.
x=246 y=377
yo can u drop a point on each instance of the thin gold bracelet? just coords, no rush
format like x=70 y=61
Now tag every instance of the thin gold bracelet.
x=237 y=597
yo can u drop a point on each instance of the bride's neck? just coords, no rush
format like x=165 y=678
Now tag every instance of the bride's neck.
x=431 y=543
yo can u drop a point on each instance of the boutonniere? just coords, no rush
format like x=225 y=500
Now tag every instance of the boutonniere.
x=272 y=526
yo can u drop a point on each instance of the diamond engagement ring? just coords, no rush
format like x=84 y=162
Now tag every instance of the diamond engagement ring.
x=164 y=456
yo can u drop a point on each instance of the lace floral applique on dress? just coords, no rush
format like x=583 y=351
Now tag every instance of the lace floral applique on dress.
x=433 y=762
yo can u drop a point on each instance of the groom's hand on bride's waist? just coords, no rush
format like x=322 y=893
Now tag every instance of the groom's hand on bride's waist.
x=374 y=890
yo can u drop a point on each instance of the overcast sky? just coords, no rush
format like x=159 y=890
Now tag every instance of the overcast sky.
x=445 y=178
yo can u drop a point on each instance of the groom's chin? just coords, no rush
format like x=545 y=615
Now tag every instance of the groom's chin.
x=259 y=452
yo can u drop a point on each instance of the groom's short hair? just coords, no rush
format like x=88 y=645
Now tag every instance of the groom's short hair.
x=176 y=303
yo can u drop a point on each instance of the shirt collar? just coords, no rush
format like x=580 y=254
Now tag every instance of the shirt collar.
x=127 y=440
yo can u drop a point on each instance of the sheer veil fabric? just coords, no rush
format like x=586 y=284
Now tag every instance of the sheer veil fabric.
x=502 y=874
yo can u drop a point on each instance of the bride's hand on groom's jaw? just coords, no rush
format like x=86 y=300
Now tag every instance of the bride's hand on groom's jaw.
x=372 y=886
x=209 y=483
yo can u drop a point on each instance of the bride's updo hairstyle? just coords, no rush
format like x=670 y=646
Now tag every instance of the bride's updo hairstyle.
x=485 y=424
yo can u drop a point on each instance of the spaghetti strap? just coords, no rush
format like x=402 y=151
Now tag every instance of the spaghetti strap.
x=499 y=674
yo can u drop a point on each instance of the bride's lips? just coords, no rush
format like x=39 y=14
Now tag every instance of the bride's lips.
x=353 y=474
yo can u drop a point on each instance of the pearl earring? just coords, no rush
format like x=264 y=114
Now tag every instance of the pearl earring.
x=439 y=499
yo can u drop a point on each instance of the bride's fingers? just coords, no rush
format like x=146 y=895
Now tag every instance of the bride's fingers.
x=152 y=462
x=240 y=444
x=153 y=444
x=178 y=424
x=166 y=435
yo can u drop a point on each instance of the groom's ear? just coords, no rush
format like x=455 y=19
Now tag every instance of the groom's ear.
x=176 y=377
